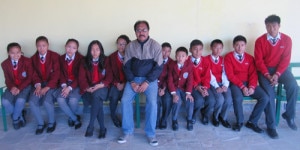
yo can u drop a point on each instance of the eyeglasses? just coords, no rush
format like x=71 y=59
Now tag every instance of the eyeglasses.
x=141 y=30
x=121 y=44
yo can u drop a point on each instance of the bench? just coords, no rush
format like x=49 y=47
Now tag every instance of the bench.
x=281 y=94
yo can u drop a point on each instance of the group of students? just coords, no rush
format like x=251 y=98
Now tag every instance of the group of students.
x=208 y=86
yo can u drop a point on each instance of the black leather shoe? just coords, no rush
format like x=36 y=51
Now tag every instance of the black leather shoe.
x=204 y=120
x=102 y=133
x=163 y=125
x=215 y=122
x=272 y=133
x=254 y=127
x=50 y=128
x=189 y=125
x=89 y=131
x=174 y=125
x=290 y=122
x=237 y=127
x=17 y=124
x=40 y=129
x=193 y=120
x=77 y=125
x=23 y=120
x=225 y=123
x=117 y=122
x=71 y=123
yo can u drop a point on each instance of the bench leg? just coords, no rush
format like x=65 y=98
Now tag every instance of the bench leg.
x=278 y=107
x=137 y=111
x=4 y=118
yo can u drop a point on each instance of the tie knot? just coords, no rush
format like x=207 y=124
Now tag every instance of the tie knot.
x=15 y=64
x=164 y=61
x=216 y=60
x=240 y=57
x=274 y=40
x=68 y=60
x=42 y=58
x=195 y=62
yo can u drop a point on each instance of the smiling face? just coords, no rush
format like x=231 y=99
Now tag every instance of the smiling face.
x=95 y=51
x=42 y=47
x=15 y=53
x=142 y=32
x=239 y=47
x=71 y=48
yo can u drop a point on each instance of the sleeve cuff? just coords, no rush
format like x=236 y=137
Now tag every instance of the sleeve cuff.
x=64 y=84
x=37 y=84
x=70 y=88
x=173 y=92
x=278 y=74
x=189 y=93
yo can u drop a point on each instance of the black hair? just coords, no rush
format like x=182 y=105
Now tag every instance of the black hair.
x=13 y=44
x=72 y=40
x=182 y=49
x=272 y=19
x=196 y=42
x=166 y=44
x=41 y=38
x=239 y=38
x=216 y=41
x=124 y=37
x=140 y=22
x=89 y=57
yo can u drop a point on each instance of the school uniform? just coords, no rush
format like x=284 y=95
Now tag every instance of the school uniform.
x=116 y=64
x=241 y=72
x=201 y=74
x=218 y=80
x=272 y=56
x=164 y=102
x=89 y=78
x=69 y=78
x=180 y=82
x=17 y=74
x=46 y=73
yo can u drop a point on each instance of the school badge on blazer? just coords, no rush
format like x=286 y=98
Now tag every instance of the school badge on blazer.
x=103 y=72
x=185 y=75
x=24 y=74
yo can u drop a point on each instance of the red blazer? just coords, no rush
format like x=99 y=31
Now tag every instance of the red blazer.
x=239 y=72
x=52 y=69
x=75 y=69
x=201 y=73
x=163 y=78
x=114 y=68
x=25 y=72
x=182 y=80
x=86 y=77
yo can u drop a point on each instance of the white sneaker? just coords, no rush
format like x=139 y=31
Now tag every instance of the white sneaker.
x=152 y=141
x=123 y=139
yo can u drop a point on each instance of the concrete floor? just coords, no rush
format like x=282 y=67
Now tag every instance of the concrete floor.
x=202 y=137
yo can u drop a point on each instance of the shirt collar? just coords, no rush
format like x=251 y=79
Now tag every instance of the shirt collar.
x=193 y=59
x=70 y=58
x=43 y=55
x=269 y=37
x=120 y=56
x=12 y=61
x=215 y=58
x=95 y=59
x=166 y=60
x=237 y=55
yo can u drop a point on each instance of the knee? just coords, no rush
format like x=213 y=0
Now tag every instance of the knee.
x=61 y=101
x=5 y=102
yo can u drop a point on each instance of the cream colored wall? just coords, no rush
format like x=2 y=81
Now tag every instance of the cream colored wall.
x=175 y=21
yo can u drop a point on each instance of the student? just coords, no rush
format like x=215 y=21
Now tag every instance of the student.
x=68 y=95
x=241 y=72
x=17 y=71
x=45 y=80
x=219 y=85
x=164 y=99
x=94 y=79
x=118 y=82
x=201 y=86
x=180 y=84
x=272 y=56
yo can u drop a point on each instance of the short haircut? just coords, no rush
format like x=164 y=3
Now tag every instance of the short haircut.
x=166 y=44
x=124 y=37
x=272 y=19
x=196 y=42
x=73 y=40
x=41 y=38
x=140 y=22
x=239 y=38
x=182 y=49
x=13 y=44
x=216 y=41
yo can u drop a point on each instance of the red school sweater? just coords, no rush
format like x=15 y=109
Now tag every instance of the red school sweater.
x=201 y=73
x=267 y=55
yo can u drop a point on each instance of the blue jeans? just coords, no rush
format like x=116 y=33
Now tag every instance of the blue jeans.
x=151 y=107
x=291 y=88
